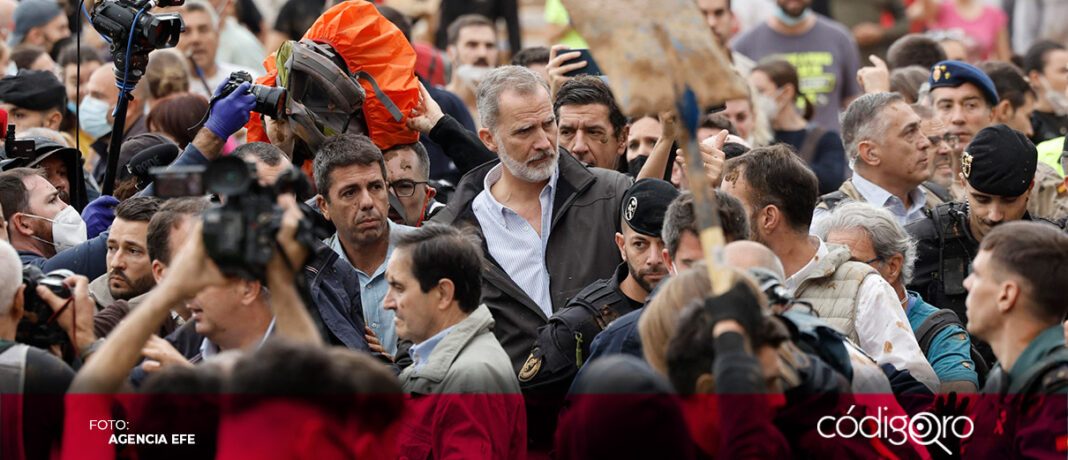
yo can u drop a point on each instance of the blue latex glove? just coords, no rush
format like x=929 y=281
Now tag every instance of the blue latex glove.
x=98 y=215
x=230 y=113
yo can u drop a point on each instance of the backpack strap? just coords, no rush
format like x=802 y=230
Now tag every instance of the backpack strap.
x=381 y=95
x=1055 y=360
x=938 y=191
x=938 y=321
x=933 y=325
x=812 y=140
x=832 y=200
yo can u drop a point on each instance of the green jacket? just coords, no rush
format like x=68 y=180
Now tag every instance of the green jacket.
x=467 y=360
x=1021 y=378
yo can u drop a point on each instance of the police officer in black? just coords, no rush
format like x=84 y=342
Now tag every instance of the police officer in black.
x=564 y=343
x=997 y=170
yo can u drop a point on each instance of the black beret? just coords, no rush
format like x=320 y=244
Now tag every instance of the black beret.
x=956 y=73
x=33 y=90
x=999 y=161
x=645 y=203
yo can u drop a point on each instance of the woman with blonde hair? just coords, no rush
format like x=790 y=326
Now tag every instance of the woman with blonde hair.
x=167 y=73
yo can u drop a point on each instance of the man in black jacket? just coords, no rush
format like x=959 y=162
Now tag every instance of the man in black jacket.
x=547 y=221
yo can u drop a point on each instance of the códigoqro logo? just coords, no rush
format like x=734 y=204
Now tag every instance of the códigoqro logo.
x=924 y=428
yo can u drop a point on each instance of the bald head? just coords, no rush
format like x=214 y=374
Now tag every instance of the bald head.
x=745 y=254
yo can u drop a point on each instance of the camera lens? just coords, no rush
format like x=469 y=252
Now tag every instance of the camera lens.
x=228 y=176
x=270 y=101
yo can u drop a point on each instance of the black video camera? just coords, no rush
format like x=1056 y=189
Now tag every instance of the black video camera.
x=240 y=235
x=134 y=32
x=270 y=101
x=35 y=328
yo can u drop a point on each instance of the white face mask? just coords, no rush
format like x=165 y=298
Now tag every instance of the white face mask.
x=1057 y=100
x=68 y=229
x=93 y=117
x=471 y=75
x=770 y=104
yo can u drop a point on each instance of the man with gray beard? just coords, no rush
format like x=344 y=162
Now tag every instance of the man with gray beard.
x=548 y=222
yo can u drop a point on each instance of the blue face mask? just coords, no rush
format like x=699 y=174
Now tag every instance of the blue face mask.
x=72 y=107
x=790 y=20
x=93 y=117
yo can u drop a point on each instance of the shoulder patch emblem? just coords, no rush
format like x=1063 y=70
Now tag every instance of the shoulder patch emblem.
x=530 y=368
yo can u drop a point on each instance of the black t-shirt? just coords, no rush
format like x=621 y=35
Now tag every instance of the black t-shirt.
x=634 y=304
x=45 y=382
x=829 y=159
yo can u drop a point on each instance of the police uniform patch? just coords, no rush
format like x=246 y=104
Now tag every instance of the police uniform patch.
x=530 y=368
x=966 y=164
x=632 y=206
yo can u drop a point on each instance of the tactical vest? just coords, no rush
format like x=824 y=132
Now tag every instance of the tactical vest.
x=936 y=195
x=563 y=344
x=835 y=295
x=957 y=249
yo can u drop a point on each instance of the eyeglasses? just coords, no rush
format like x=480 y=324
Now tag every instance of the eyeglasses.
x=949 y=138
x=404 y=188
x=877 y=259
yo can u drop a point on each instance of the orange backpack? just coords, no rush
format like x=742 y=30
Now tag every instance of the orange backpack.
x=368 y=42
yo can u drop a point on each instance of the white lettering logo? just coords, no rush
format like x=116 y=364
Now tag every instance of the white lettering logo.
x=923 y=428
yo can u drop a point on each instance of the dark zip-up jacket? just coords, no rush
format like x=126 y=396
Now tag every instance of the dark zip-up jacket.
x=581 y=247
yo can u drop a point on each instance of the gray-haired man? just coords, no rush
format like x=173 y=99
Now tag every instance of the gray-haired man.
x=875 y=238
x=541 y=212
x=887 y=151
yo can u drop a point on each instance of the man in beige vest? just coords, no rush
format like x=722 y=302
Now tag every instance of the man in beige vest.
x=888 y=152
x=778 y=192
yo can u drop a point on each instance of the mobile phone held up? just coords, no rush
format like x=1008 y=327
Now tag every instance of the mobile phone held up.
x=591 y=65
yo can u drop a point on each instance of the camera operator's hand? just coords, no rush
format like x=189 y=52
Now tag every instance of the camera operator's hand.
x=292 y=320
x=160 y=354
x=192 y=270
x=230 y=113
x=76 y=319
x=425 y=116
x=99 y=214
x=295 y=252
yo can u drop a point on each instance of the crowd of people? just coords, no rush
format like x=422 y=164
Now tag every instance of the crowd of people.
x=438 y=253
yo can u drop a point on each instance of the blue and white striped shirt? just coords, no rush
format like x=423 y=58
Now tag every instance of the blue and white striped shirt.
x=878 y=196
x=512 y=241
